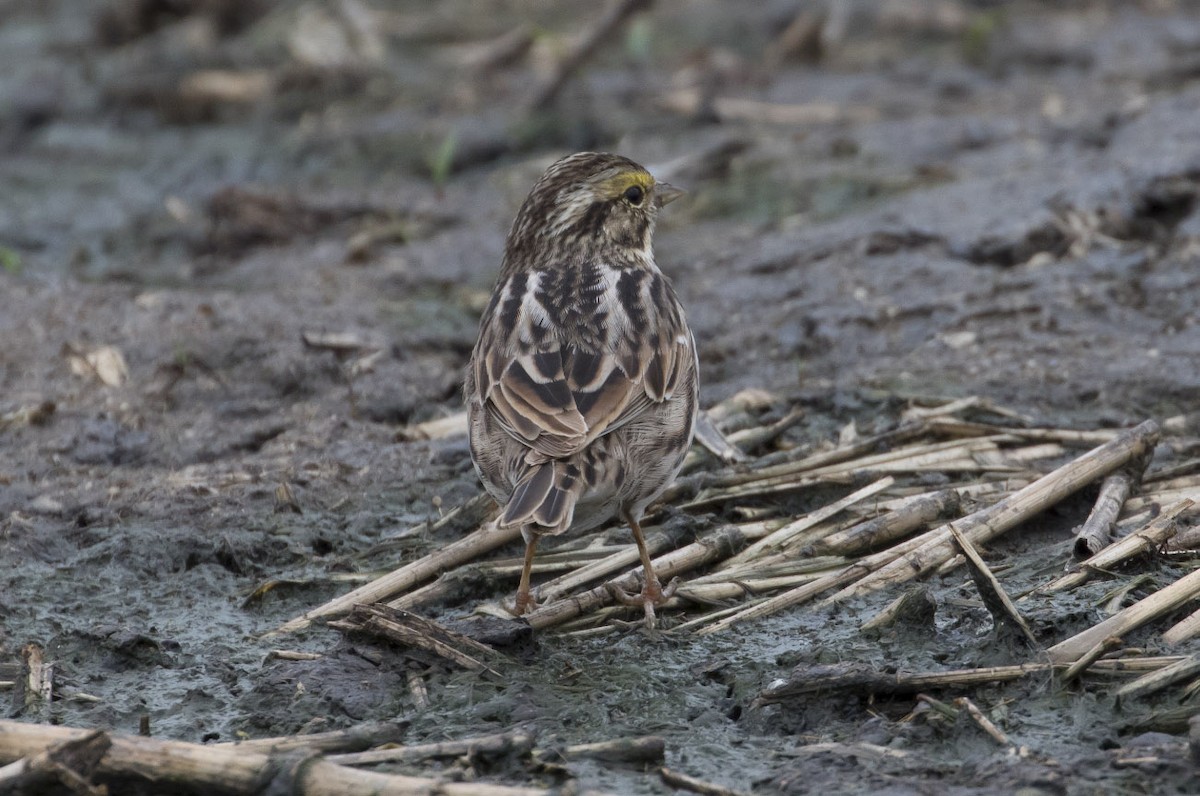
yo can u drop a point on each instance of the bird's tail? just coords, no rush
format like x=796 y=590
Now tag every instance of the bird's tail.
x=545 y=497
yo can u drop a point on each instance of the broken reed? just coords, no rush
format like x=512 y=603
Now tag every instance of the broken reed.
x=870 y=539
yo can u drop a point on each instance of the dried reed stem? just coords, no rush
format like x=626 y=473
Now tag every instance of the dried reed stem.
x=1162 y=601
x=1097 y=530
x=221 y=769
x=788 y=532
x=992 y=521
x=486 y=538
x=1150 y=537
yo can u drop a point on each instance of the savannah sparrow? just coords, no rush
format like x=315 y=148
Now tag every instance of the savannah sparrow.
x=582 y=388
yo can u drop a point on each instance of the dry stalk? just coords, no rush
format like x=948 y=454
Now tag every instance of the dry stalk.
x=486 y=538
x=1161 y=602
x=792 y=466
x=411 y=630
x=808 y=591
x=861 y=679
x=712 y=440
x=788 y=532
x=71 y=763
x=713 y=546
x=995 y=599
x=948 y=425
x=1150 y=537
x=1184 y=629
x=715 y=592
x=675 y=779
x=914 y=605
x=1102 y=648
x=362 y=736
x=957 y=455
x=915 y=512
x=514 y=742
x=221 y=769
x=657 y=540
x=645 y=749
x=1098 y=528
x=454 y=425
x=988 y=523
x=1156 y=681
x=985 y=724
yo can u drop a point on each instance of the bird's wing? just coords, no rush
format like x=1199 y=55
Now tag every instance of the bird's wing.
x=556 y=379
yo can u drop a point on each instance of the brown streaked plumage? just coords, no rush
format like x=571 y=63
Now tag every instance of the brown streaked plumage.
x=582 y=388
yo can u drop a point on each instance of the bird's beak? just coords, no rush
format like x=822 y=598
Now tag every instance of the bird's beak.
x=665 y=193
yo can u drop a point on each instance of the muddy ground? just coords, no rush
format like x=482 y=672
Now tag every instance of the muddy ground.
x=967 y=199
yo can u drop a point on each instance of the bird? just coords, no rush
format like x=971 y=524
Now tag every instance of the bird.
x=582 y=389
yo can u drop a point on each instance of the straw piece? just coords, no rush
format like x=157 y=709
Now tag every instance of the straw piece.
x=514 y=742
x=411 y=630
x=1184 y=629
x=781 y=537
x=713 y=546
x=486 y=538
x=1150 y=537
x=1161 y=602
x=1004 y=613
x=994 y=520
x=1097 y=530
x=917 y=511
x=176 y=765
x=1156 y=681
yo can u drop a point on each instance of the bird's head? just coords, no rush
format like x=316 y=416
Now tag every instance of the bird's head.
x=586 y=201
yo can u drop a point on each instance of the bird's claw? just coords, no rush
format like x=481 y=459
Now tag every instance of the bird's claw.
x=651 y=596
x=522 y=604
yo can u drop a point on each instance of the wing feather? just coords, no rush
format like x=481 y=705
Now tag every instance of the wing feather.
x=555 y=383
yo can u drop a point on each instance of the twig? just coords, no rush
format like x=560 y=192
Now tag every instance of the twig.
x=222 y=769
x=1156 y=681
x=711 y=547
x=985 y=724
x=417 y=689
x=71 y=762
x=860 y=678
x=916 y=512
x=614 y=16
x=1148 y=538
x=411 y=630
x=514 y=742
x=657 y=540
x=1184 y=629
x=808 y=591
x=676 y=779
x=645 y=749
x=1162 y=601
x=990 y=522
x=1004 y=613
x=788 y=532
x=1102 y=648
x=488 y=537
x=916 y=604
x=362 y=736
x=716 y=443
x=1097 y=530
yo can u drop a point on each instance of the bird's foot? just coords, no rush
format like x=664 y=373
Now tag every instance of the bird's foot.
x=651 y=596
x=523 y=604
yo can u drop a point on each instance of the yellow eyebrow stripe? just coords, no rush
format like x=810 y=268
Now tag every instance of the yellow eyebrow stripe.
x=619 y=183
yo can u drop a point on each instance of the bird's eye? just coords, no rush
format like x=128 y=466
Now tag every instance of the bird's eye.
x=634 y=194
